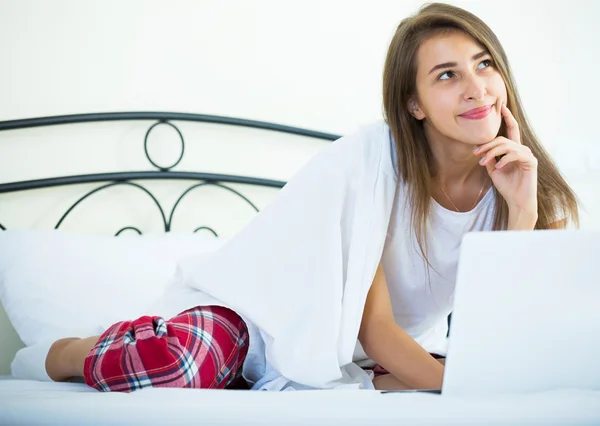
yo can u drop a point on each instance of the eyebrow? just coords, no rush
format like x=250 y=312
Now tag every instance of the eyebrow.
x=453 y=64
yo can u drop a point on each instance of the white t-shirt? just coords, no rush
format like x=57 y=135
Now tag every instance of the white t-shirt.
x=422 y=303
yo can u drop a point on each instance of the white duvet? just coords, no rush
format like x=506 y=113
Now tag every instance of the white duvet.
x=27 y=402
x=299 y=273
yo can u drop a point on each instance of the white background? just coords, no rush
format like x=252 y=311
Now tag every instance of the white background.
x=313 y=64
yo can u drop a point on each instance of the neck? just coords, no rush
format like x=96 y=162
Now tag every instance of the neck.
x=458 y=181
x=453 y=161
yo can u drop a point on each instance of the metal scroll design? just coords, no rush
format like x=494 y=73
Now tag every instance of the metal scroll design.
x=166 y=222
x=135 y=185
x=127 y=228
x=164 y=172
x=164 y=169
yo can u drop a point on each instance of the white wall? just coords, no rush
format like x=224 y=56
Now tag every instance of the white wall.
x=313 y=64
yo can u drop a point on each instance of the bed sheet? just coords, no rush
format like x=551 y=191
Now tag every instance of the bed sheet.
x=27 y=402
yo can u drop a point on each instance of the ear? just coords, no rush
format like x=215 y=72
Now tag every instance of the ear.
x=414 y=110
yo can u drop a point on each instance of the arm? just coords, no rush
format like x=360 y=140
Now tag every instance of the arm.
x=390 y=346
x=521 y=220
x=526 y=221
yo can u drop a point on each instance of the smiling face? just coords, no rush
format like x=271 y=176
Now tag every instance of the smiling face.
x=459 y=90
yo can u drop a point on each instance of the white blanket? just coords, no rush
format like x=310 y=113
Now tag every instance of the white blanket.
x=27 y=403
x=299 y=273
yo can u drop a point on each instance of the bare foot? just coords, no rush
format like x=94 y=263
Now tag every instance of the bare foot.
x=55 y=362
x=66 y=357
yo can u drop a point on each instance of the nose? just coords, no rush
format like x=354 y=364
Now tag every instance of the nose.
x=474 y=89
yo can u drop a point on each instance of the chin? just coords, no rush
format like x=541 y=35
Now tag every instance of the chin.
x=480 y=138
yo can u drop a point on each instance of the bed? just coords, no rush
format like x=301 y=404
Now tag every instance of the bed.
x=28 y=403
x=98 y=203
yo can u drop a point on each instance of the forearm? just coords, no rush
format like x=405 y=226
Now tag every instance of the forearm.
x=521 y=220
x=392 y=348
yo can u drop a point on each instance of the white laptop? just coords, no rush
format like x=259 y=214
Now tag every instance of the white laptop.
x=526 y=313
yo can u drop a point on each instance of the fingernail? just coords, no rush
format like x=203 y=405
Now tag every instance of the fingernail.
x=476 y=149
x=482 y=160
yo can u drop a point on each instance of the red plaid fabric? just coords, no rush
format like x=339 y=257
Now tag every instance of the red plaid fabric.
x=203 y=347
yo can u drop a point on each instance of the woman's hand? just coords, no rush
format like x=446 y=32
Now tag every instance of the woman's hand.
x=515 y=174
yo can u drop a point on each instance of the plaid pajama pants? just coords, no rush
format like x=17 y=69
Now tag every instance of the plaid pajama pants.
x=203 y=347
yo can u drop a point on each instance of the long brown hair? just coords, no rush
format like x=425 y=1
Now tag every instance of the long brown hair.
x=556 y=200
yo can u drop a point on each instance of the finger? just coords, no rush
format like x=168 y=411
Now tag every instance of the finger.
x=490 y=166
x=526 y=161
x=508 y=158
x=512 y=127
x=499 y=103
x=503 y=149
x=482 y=149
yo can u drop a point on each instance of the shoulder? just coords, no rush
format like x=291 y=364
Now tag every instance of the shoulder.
x=352 y=156
x=364 y=144
x=370 y=133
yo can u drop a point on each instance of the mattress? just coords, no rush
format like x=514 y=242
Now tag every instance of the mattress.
x=27 y=402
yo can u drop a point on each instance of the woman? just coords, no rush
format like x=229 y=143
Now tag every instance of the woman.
x=466 y=160
x=463 y=142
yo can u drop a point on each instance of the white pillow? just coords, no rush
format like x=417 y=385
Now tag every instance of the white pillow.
x=55 y=284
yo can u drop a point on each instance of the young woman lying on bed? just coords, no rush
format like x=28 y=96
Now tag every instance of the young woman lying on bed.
x=467 y=160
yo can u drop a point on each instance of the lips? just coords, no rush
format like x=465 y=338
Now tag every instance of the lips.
x=477 y=113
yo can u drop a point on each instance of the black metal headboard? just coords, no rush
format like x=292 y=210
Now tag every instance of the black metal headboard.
x=125 y=178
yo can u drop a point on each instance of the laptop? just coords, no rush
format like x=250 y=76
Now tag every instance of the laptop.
x=526 y=314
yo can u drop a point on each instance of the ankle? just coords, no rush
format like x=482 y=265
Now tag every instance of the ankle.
x=58 y=361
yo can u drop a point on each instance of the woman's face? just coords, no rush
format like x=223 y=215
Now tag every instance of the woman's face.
x=459 y=90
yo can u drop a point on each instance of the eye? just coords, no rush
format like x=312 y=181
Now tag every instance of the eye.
x=446 y=73
x=486 y=64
